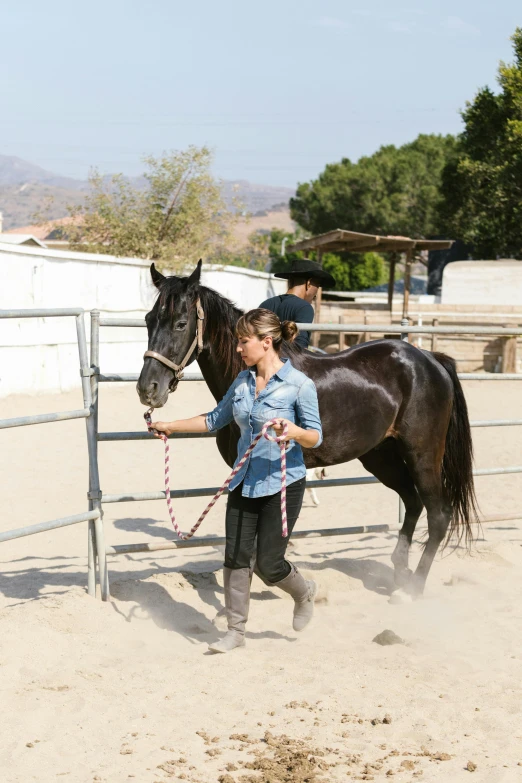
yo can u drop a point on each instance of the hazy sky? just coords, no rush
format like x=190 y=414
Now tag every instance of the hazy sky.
x=277 y=88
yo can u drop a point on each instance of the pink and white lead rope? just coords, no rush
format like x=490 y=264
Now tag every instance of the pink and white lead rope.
x=248 y=452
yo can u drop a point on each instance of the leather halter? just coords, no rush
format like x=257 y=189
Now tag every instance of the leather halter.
x=197 y=341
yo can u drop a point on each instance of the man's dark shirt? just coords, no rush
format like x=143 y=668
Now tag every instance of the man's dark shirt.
x=289 y=307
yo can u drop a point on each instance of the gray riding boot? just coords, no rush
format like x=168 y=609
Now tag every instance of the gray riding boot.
x=220 y=620
x=303 y=592
x=237 y=599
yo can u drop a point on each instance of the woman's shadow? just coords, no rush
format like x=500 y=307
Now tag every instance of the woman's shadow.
x=153 y=601
x=149 y=600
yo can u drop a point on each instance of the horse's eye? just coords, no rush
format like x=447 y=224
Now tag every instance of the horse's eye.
x=181 y=325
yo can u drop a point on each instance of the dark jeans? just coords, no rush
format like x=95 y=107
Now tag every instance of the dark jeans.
x=247 y=518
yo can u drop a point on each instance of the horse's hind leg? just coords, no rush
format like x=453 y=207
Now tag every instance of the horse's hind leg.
x=427 y=474
x=439 y=518
x=387 y=464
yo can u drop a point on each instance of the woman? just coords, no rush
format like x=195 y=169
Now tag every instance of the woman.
x=270 y=389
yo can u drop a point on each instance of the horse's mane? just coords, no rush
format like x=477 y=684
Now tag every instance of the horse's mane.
x=221 y=316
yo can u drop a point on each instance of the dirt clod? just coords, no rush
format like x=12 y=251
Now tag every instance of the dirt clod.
x=388 y=637
x=471 y=766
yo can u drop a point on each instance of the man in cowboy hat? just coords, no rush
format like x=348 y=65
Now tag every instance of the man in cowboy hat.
x=305 y=277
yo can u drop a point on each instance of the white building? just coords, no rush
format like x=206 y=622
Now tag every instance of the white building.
x=39 y=355
x=496 y=282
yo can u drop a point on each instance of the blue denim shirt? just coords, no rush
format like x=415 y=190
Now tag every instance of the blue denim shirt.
x=289 y=394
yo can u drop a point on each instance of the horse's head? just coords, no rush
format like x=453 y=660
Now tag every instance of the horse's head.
x=172 y=325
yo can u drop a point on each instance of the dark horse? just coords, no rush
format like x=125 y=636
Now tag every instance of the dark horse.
x=400 y=410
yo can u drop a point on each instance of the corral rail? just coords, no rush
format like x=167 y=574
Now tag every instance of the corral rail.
x=91 y=377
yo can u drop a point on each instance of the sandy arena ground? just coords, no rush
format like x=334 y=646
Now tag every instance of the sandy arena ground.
x=125 y=690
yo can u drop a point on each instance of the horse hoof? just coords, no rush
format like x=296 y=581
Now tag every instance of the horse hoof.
x=401 y=597
x=402 y=576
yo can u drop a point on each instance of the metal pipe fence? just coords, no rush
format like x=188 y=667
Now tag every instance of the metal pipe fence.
x=403 y=330
x=95 y=514
x=91 y=377
x=221 y=541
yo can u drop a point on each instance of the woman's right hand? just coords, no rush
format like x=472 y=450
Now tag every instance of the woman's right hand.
x=162 y=426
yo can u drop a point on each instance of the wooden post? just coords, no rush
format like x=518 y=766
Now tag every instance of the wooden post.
x=391 y=280
x=509 y=353
x=318 y=298
x=341 y=335
x=434 y=337
x=407 y=282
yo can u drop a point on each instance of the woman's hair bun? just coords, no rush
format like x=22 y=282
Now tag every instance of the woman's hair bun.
x=289 y=330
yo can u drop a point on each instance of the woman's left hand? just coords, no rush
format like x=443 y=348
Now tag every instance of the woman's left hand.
x=293 y=430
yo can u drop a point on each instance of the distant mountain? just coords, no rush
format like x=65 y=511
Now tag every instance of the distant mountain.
x=15 y=171
x=25 y=189
x=22 y=205
x=256 y=198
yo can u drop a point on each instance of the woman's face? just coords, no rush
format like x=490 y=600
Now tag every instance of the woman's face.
x=252 y=349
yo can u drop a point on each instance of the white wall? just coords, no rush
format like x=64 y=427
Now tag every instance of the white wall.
x=482 y=282
x=38 y=355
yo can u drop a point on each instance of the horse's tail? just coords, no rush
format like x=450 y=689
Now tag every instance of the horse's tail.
x=457 y=463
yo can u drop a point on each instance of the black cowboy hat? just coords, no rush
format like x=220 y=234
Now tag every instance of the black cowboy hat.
x=304 y=267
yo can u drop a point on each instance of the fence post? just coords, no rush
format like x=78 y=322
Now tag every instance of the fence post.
x=404 y=336
x=434 y=340
x=404 y=326
x=316 y=336
x=92 y=555
x=366 y=335
x=407 y=282
x=96 y=543
x=509 y=353
x=341 y=335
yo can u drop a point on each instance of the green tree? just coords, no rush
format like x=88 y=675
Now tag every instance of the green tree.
x=254 y=255
x=394 y=191
x=179 y=216
x=482 y=186
x=280 y=262
x=355 y=271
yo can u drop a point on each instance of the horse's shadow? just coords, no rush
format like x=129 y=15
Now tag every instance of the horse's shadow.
x=374 y=575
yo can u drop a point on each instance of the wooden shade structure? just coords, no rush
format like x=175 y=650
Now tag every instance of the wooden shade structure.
x=348 y=241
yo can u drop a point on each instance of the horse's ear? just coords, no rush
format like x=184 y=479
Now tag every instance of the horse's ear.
x=193 y=280
x=157 y=277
